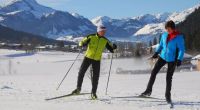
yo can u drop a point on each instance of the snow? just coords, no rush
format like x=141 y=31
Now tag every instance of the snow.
x=1 y=18
x=13 y=13
x=25 y=81
x=77 y=15
x=155 y=46
x=101 y=20
x=163 y=16
x=179 y=17
x=4 y=3
x=150 y=29
x=70 y=38
x=27 y=5
x=147 y=18
x=197 y=57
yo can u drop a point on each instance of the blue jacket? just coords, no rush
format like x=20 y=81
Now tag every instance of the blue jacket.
x=168 y=51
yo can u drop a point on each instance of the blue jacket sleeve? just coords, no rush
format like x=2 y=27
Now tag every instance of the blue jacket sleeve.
x=181 y=47
x=160 y=46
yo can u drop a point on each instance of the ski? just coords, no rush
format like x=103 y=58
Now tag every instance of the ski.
x=147 y=97
x=171 y=105
x=68 y=95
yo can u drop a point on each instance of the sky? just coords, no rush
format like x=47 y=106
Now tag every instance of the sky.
x=119 y=8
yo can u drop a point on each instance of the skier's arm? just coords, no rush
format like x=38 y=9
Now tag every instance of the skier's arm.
x=181 y=48
x=85 y=41
x=160 y=46
x=111 y=47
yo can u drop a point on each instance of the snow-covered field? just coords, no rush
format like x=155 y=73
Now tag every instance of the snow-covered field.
x=26 y=80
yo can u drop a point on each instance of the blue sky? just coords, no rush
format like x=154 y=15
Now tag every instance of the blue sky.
x=119 y=8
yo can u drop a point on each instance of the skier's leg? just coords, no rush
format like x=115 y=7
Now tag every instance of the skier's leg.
x=95 y=79
x=170 y=72
x=84 y=66
x=159 y=64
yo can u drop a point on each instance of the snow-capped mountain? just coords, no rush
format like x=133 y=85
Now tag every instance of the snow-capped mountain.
x=15 y=6
x=149 y=31
x=142 y=28
x=123 y=28
x=29 y=16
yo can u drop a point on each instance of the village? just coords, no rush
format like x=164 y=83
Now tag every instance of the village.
x=126 y=49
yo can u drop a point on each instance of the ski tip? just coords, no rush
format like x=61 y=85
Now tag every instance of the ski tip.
x=46 y=99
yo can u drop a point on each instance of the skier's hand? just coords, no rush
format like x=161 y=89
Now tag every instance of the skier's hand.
x=114 y=46
x=80 y=48
x=155 y=55
x=178 y=63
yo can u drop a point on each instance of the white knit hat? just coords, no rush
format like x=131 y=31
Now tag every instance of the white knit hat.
x=101 y=28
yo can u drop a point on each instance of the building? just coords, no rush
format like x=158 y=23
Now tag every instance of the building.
x=197 y=58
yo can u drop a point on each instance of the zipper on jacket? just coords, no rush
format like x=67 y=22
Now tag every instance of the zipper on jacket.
x=166 y=51
x=97 y=47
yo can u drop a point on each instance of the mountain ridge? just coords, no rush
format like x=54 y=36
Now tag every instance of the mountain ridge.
x=22 y=15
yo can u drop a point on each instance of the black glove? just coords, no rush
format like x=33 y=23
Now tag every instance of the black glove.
x=178 y=63
x=155 y=55
x=80 y=47
x=114 y=46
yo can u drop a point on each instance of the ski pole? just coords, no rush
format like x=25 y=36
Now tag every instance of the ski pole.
x=109 y=74
x=68 y=71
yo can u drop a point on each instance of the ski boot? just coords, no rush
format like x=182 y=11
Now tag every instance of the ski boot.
x=94 y=96
x=145 y=94
x=76 y=91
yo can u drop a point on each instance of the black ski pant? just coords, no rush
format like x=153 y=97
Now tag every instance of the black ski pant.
x=170 y=71
x=95 y=76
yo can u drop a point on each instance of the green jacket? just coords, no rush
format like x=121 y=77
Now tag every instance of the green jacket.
x=95 y=46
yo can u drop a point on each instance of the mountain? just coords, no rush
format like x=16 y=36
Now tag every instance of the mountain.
x=31 y=17
x=15 y=6
x=190 y=28
x=12 y=36
x=124 y=28
x=152 y=30
x=142 y=28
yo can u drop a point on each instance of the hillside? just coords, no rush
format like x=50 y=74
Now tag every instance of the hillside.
x=13 y=36
x=190 y=28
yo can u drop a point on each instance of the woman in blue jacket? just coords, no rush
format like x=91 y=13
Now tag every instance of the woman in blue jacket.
x=170 y=51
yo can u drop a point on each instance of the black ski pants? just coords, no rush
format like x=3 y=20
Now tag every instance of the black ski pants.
x=170 y=71
x=95 y=76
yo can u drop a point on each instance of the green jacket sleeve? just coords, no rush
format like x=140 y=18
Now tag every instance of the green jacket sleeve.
x=85 y=41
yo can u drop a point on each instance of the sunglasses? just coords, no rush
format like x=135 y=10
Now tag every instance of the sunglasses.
x=103 y=27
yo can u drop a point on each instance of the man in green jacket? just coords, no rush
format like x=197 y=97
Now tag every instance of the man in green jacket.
x=96 y=44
